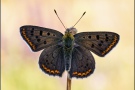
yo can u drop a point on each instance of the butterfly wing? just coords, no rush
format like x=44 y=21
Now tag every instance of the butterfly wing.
x=51 y=60
x=98 y=42
x=82 y=63
x=39 y=38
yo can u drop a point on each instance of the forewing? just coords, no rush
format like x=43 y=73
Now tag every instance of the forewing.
x=98 y=42
x=39 y=38
x=51 y=60
x=82 y=64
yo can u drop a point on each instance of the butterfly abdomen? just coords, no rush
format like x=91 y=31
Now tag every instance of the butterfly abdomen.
x=68 y=42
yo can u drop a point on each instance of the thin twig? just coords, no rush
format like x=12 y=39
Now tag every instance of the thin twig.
x=68 y=83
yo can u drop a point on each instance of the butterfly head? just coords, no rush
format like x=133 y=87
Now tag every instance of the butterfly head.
x=71 y=30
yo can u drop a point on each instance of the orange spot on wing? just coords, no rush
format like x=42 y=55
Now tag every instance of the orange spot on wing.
x=27 y=39
x=74 y=73
x=82 y=74
x=111 y=45
x=49 y=70
x=52 y=71
x=56 y=71
x=79 y=74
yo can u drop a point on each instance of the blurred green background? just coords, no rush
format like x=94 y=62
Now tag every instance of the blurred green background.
x=19 y=65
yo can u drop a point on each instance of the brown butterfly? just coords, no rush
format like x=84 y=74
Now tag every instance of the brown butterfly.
x=71 y=51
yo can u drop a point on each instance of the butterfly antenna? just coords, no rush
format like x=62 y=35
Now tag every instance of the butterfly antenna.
x=59 y=18
x=80 y=18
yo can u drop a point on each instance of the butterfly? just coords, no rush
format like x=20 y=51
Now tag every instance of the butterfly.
x=70 y=52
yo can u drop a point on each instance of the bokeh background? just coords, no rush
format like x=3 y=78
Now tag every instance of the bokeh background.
x=19 y=65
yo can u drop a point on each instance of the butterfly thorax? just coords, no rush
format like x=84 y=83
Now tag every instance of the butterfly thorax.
x=68 y=42
x=68 y=38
